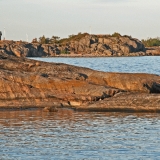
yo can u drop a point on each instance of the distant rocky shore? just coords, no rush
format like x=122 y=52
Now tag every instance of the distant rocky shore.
x=86 y=46
x=26 y=83
x=154 y=51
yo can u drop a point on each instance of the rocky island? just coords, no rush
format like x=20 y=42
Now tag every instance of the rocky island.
x=80 y=45
x=26 y=83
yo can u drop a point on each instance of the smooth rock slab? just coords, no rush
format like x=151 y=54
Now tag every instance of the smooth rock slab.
x=26 y=83
x=126 y=102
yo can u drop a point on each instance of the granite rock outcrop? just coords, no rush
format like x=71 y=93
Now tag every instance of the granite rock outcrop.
x=26 y=83
x=89 y=45
x=153 y=51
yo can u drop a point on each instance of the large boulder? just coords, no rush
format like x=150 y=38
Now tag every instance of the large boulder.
x=134 y=44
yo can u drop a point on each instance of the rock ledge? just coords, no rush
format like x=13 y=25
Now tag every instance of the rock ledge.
x=26 y=83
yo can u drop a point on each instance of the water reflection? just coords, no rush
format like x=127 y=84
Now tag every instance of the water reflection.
x=33 y=134
x=16 y=117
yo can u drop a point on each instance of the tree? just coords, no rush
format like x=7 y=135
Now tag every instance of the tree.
x=54 y=39
x=42 y=40
x=47 y=41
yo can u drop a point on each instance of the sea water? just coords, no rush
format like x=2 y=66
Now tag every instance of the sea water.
x=70 y=135
x=145 y=64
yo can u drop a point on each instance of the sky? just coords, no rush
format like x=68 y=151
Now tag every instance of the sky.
x=28 y=19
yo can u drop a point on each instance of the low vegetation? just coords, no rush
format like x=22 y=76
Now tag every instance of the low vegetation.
x=116 y=34
x=73 y=37
x=56 y=39
x=77 y=37
x=151 y=42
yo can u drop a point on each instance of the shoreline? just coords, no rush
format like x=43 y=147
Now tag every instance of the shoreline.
x=106 y=110
x=27 y=83
x=87 y=46
x=91 y=56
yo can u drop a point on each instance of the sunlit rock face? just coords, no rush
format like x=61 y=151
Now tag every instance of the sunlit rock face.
x=26 y=83
x=87 y=45
x=153 y=51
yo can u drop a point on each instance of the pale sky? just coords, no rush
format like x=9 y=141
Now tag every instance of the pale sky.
x=138 y=18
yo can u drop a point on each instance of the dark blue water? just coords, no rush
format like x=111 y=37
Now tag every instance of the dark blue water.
x=72 y=135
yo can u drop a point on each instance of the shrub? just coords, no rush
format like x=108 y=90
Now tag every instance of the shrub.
x=116 y=34
x=151 y=42
x=73 y=37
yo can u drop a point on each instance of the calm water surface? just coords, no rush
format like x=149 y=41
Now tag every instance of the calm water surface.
x=72 y=135
x=148 y=64
x=78 y=135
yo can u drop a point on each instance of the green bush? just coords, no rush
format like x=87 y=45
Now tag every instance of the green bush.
x=52 y=40
x=73 y=37
x=116 y=34
x=151 y=42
